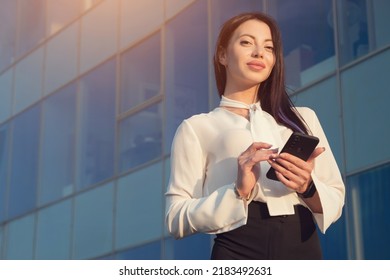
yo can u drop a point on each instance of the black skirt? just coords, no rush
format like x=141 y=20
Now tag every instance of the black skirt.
x=287 y=237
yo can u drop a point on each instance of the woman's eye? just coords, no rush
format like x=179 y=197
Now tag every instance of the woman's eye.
x=269 y=48
x=245 y=42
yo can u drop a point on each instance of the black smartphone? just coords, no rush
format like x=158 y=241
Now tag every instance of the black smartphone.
x=299 y=145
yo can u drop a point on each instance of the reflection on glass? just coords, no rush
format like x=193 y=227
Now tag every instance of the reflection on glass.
x=140 y=73
x=308 y=39
x=31 y=24
x=368 y=194
x=54 y=232
x=7 y=32
x=364 y=27
x=24 y=167
x=88 y=4
x=93 y=224
x=57 y=162
x=60 y=13
x=186 y=67
x=97 y=132
x=141 y=137
x=354 y=40
x=4 y=151
x=380 y=26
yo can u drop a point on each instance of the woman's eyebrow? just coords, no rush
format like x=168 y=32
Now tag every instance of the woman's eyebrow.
x=253 y=37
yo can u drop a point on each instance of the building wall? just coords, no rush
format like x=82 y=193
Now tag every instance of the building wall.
x=92 y=91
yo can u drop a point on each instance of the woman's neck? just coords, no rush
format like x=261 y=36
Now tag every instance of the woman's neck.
x=247 y=96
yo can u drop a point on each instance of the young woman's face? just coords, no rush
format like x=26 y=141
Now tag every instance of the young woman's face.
x=249 y=57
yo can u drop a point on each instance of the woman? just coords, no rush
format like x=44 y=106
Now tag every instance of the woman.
x=219 y=160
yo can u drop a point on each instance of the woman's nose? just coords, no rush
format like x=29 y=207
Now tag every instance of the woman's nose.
x=257 y=52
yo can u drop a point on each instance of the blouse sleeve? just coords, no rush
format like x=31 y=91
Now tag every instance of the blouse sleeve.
x=188 y=210
x=326 y=177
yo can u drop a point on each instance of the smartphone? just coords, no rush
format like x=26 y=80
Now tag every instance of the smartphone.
x=299 y=145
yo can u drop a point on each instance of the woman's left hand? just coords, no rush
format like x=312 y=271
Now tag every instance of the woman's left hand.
x=294 y=172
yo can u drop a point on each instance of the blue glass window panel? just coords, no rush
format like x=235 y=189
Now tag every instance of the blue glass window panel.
x=367 y=195
x=88 y=4
x=93 y=222
x=365 y=105
x=99 y=27
x=97 y=132
x=363 y=27
x=334 y=242
x=381 y=22
x=6 y=95
x=140 y=137
x=8 y=25
x=139 y=220
x=28 y=80
x=141 y=72
x=4 y=163
x=134 y=24
x=308 y=39
x=195 y=247
x=186 y=67
x=173 y=7
x=31 y=24
x=19 y=240
x=54 y=232
x=61 y=50
x=58 y=154
x=150 y=251
x=222 y=10
x=25 y=142
x=60 y=13
x=352 y=18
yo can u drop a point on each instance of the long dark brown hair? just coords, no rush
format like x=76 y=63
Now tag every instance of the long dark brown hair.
x=272 y=92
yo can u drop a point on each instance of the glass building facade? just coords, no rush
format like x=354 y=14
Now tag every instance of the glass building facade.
x=92 y=91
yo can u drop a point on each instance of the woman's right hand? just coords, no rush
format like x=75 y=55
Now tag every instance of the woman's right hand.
x=248 y=167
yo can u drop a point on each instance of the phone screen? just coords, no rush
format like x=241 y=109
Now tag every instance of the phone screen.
x=299 y=145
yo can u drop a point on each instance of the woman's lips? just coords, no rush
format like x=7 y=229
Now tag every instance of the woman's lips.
x=256 y=65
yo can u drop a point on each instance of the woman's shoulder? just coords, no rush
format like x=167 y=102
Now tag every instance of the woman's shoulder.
x=305 y=111
x=201 y=119
x=197 y=118
x=309 y=116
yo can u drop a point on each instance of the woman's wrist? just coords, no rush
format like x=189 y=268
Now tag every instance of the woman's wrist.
x=239 y=195
x=309 y=192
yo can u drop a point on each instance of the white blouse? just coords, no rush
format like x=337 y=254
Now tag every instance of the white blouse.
x=201 y=197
